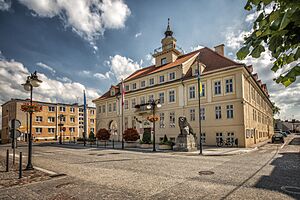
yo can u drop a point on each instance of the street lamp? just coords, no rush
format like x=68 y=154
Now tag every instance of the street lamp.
x=152 y=105
x=32 y=81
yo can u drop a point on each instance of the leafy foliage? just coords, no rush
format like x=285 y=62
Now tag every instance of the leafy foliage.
x=166 y=141
x=279 y=30
x=103 y=134
x=276 y=110
x=131 y=134
x=92 y=136
x=146 y=138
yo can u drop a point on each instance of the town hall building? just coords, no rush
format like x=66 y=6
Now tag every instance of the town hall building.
x=234 y=103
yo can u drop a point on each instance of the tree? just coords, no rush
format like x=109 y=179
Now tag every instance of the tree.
x=276 y=110
x=92 y=136
x=146 y=138
x=131 y=135
x=279 y=31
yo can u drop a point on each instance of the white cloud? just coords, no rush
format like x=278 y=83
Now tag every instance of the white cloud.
x=235 y=39
x=150 y=58
x=43 y=65
x=197 y=47
x=121 y=67
x=5 y=5
x=88 y=18
x=103 y=76
x=64 y=79
x=13 y=74
x=85 y=72
x=137 y=34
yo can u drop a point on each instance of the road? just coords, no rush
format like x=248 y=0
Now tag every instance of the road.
x=271 y=172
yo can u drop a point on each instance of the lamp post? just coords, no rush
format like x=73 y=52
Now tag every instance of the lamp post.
x=152 y=105
x=199 y=102
x=31 y=82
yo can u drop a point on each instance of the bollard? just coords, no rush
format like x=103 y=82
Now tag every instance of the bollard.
x=7 y=160
x=113 y=143
x=20 y=166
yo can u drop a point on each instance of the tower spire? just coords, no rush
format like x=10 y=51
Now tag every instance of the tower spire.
x=168 y=32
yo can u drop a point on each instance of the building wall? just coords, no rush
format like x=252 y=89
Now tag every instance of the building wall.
x=45 y=129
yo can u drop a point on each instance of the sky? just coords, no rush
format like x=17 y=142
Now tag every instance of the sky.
x=92 y=44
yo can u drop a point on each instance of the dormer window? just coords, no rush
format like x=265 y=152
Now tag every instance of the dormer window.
x=112 y=92
x=126 y=87
x=172 y=76
x=161 y=78
x=163 y=61
x=143 y=84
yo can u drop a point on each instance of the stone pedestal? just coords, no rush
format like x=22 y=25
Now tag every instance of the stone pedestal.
x=185 y=143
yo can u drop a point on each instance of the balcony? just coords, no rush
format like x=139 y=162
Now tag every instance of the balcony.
x=142 y=109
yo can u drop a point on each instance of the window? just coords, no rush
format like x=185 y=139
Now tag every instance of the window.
x=38 y=130
x=202 y=113
x=161 y=78
x=133 y=103
x=163 y=61
x=80 y=109
x=229 y=110
x=92 y=112
x=38 y=118
x=109 y=107
x=62 y=119
x=196 y=72
x=114 y=106
x=51 y=108
x=92 y=121
x=203 y=138
x=103 y=108
x=126 y=87
x=150 y=97
x=218 y=112
x=142 y=100
x=254 y=114
x=92 y=130
x=72 y=129
x=172 y=96
x=112 y=92
x=192 y=115
x=172 y=119
x=192 y=92
x=62 y=109
x=143 y=84
x=229 y=86
x=72 y=119
x=126 y=104
x=51 y=130
x=151 y=81
x=203 y=90
x=217 y=87
x=72 y=109
x=230 y=137
x=51 y=119
x=133 y=86
x=219 y=137
x=252 y=93
x=172 y=76
x=161 y=120
x=161 y=97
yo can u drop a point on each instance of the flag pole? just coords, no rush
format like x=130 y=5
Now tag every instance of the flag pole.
x=199 y=101
x=122 y=115
x=85 y=119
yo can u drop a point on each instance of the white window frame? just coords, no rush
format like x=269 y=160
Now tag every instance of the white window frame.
x=151 y=84
x=62 y=108
x=72 y=121
x=161 y=120
x=172 y=124
x=170 y=78
x=232 y=85
x=51 y=121
x=133 y=102
x=133 y=86
x=174 y=96
x=50 y=132
x=40 y=130
x=194 y=93
x=229 y=111
x=161 y=76
x=220 y=87
x=192 y=114
x=161 y=102
x=218 y=112
x=51 y=110
x=202 y=113
x=38 y=118
x=142 y=86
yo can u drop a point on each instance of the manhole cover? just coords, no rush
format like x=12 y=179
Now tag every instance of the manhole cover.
x=206 y=173
x=100 y=154
x=115 y=153
x=291 y=189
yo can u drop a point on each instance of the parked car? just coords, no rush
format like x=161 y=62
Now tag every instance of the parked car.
x=277 y=137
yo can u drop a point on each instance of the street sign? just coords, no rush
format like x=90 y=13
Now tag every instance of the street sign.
x=17 y=123
x=18 y=134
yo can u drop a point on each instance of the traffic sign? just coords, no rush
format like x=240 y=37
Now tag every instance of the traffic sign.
x=18 y=134
x=17 y=123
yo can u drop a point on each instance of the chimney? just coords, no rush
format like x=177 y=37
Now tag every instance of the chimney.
x=220 y=49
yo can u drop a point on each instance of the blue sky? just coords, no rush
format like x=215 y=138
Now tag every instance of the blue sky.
x=71 y=49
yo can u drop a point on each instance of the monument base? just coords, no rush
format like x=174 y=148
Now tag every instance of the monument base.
x=185 y=143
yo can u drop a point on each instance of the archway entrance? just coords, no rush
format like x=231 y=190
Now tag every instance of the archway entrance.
x=113 y=129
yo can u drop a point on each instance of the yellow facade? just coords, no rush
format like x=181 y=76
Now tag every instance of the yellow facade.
x=234 y=104
x=45 y=124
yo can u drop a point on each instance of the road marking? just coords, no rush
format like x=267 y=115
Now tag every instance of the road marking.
x=290 y=189
x=45 y=170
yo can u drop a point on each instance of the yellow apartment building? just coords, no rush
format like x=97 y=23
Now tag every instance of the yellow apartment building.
x=45 y=124
x=234 y=102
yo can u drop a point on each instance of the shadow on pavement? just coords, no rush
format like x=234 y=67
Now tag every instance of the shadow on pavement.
x=285 y=177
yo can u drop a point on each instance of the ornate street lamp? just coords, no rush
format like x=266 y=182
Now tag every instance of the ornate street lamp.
x=61 y=116
x=152 y=105
x=32 y=81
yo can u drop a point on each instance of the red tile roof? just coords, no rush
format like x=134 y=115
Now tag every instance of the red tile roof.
x=211 y=59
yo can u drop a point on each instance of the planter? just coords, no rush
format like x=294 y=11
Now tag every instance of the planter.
x=130 y=144
x=103 y=142
x=165 y=147
x=146 y=146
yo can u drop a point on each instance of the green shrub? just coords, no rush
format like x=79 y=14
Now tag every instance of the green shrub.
x=92 y=136
x=165 y=141
x=146 y=138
